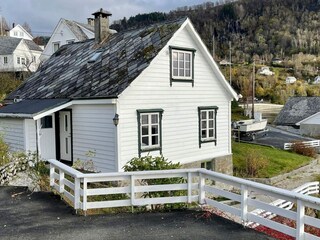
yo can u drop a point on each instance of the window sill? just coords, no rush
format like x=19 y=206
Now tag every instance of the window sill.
x=181 y=80
x=207 y=141
x=150 y=149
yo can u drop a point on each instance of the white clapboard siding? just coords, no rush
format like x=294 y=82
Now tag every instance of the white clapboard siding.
x=30 y=135
x=93 y=130
x=13 y=132
x=180 y=130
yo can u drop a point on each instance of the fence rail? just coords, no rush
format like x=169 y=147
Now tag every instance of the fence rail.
x=196 y=185
x=314 y=143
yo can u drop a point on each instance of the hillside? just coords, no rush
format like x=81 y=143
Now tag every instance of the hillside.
x=260 y=30
x=267 y=28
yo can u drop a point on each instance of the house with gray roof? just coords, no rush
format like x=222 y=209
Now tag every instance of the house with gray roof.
x=303 y=113
x=154 y=90
x=66 y=32
x=19 y=55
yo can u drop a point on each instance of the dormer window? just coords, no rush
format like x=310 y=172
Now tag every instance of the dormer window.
x=95 y=57
x=182 y=64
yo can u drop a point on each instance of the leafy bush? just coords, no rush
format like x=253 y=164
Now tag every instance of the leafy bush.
x=4 y=152
x=255 y=162
x=300 y=148
x=157 y=163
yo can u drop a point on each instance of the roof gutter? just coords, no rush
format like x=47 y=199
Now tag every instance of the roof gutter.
x=15 y=115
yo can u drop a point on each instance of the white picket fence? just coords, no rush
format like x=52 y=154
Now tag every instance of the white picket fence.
x=314 y=143
x=199 y=186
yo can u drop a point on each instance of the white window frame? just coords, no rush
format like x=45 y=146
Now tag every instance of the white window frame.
x=18 y=60
x=15 y=33
x=5 y=60
x=23 y=61
x=184 y=67
x=21 y=34
x=70 y=41
x=149 y=125
x=176 y=65
x=207 y=124
x=55 y=44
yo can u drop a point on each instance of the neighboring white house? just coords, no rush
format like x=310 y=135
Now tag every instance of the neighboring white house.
x=19 y=32
x=290 y=80
x=67 y=32
x=316 y=80
x=18 y=55
x=265 y=71
x=153 y=90
x=310 y=126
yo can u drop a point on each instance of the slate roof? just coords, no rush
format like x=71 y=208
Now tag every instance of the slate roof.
x=67 y=73
x=32 y=45
x=8 y=45
x=77 y=31
x=31 y=107
x=297 y=109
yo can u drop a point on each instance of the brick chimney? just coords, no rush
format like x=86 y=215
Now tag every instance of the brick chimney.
x=90 y=21
x=101 y=25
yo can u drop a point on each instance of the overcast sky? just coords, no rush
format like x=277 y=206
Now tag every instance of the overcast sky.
x=43 y=15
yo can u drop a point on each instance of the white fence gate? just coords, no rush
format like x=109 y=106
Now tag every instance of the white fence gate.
x=315 y=143
x=198 y=186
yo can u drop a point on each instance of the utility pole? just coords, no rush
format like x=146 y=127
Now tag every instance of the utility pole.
x=213 y=48
x=253 y=86
x=230 y=59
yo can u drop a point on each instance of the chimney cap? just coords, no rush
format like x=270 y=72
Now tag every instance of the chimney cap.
x=103 y=13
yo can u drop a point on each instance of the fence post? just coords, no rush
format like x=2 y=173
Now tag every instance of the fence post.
x=52 y=169
x=244 y=204
x=132 y=187
x=84 y=196
x=300 y=220
x=189 y=187
x=61 y=181
x=202 y=194
x=76 y=193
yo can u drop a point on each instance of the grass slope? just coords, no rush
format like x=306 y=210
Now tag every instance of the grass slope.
x=279 y=161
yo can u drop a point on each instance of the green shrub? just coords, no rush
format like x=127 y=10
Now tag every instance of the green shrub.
x=255 y=162
x=157 y=163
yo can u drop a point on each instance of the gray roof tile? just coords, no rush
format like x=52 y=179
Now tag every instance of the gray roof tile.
x=67 y=73
x=8 y=45
x=297 y=109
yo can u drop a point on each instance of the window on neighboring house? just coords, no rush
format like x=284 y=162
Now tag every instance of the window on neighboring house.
x=15 y=33
x=207 y=124
x=21 y=34
x=23 y=61
x=56 y=46
x=207 y=165
x=182 y=64
x=70 y=41
x=34 y=59
x=46 y=122
x=5 y=60
x=149 y=129
x=18 y=60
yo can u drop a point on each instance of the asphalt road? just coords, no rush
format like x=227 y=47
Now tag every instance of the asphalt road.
x=44 y=216
x=277 y=138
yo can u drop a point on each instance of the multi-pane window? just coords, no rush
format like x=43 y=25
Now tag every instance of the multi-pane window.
x=18 y=60
x=181 y=64
x=207 y=124
x=5 y=60
x=23 y=61
x=15 y=33
x=149 y=122
x=21 y=34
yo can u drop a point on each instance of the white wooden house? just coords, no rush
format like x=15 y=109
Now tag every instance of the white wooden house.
x=67 y=32
x=18 y=55
x=19 y=32
x=154 y=90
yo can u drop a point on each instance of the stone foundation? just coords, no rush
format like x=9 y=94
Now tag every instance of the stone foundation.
x=219 y=164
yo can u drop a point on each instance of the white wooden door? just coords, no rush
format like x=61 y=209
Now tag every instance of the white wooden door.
x=65 y=136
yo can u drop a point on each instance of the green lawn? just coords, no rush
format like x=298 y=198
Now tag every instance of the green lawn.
x=278 y=161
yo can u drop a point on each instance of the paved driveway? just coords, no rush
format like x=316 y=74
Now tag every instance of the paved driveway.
x=277 y=138
x=44 y=216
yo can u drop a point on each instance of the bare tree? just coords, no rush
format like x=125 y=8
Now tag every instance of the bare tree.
x=27 y=27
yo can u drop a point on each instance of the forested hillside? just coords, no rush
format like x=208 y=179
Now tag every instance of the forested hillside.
x=266 y=28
